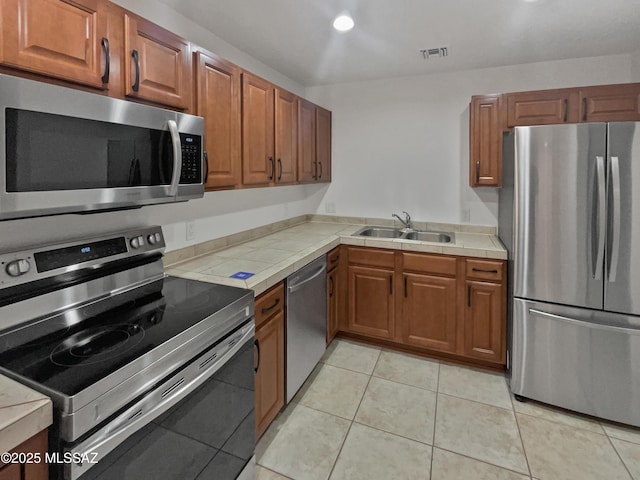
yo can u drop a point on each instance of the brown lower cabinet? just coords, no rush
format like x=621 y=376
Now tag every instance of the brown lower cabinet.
x=269 y=370
x=36 y=445
x=428 y=302
x=334 y=289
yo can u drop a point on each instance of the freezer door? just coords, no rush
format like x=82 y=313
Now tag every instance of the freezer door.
x=583 y=360
x=622 y=281
x=560 y=214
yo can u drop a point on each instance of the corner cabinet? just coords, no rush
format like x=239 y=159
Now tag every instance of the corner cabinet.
x=323 y=144
x=61 y=39
x=439 y=304
x=314 y=143
x=218 y=101
x=485 y=141
x=157 y=64
x=269 y=353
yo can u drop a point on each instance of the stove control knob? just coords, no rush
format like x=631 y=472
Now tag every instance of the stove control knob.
x=135 y=243
x=18 y=267
x=152 y=239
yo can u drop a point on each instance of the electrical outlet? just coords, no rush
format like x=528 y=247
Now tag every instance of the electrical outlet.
x=330 y=207
x=466 y=215
x=191 y=230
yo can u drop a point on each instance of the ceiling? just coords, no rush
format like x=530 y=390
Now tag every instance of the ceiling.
x=295 y=37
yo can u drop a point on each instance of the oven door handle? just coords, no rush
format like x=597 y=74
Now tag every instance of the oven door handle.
x=159 y=400
x=177 y=157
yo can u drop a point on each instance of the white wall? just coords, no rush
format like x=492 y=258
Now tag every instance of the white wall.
x=403 y=143
x=635 y=67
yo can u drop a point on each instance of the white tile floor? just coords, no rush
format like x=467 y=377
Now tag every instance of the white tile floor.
x=367 y=413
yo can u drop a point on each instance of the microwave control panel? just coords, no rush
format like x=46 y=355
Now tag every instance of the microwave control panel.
x=191 y=158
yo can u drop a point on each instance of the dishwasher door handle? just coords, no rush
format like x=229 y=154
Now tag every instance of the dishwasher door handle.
x=297 y=286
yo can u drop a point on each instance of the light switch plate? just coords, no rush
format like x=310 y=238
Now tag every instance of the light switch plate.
x=191 y=230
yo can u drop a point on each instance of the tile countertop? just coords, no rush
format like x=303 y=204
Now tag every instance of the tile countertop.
x=275 y=256
x=23 y=413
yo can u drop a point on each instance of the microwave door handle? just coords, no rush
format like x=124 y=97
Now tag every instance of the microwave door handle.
x=177 y=157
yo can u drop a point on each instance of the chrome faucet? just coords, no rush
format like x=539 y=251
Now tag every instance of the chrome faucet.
x=406 y=222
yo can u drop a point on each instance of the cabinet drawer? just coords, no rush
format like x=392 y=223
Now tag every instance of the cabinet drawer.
x=269 y=304
x=372 y=256
x=333 y=258
x=485 y=269
x=438 y=264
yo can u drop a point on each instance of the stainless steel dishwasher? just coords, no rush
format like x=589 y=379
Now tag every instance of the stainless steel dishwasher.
x=306 y=322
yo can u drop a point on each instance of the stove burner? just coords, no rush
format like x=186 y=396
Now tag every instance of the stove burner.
x=97 y=344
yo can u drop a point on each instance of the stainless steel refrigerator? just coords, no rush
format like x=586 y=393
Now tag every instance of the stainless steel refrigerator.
x=570 y=217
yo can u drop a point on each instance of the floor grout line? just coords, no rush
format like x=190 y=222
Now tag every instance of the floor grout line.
x=619 y=456
x=435 y=421
x=352 y=421
x=524 y=450
x=481 y=461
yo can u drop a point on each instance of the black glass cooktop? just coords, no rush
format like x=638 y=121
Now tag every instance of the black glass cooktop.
x=68 y=359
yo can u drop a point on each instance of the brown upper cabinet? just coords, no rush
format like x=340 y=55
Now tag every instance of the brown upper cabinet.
x=218 y=101
x=157 y=64
x=610 y=103
x=485 y=146
x=286 y=136
x=258 y=163
x=314 y=143
x=323 y=144
x=61 y=39
x=542 y=107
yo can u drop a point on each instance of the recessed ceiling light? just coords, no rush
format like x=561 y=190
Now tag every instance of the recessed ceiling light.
x=343 y=23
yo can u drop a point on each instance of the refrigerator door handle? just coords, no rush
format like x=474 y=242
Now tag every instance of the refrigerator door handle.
x=599 y=264
x=573 y=321
x=615 y=241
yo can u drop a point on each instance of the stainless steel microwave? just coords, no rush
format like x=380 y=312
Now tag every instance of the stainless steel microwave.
x=65 y=151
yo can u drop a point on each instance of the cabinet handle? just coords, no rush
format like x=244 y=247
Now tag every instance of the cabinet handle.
x=279 y=169
x=136 y=60
x=273 y=168
x=331 y=286
x=584 y=109
x=477 y=171
x=107 y=60
x=257 y=345
x=334 y=260
x=206 y=167
x=406 y=293
x=390 y=284
x=266 y=309
x=468 y=295
x=315 y=171
x=320 y=176
x=483 y=270
x=566 y=110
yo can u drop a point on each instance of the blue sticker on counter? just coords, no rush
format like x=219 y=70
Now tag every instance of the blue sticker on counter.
x=242 y=275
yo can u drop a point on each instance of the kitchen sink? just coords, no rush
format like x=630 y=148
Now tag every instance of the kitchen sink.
x=430 y=236
x=390 y=232
x=379 y=232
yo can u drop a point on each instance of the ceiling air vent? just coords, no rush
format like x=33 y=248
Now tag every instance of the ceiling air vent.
x=427 y=53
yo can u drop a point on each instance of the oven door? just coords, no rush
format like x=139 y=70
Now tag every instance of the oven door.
x=198 y=423
x=65 y=151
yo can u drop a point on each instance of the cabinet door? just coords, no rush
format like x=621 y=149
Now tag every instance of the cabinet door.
x=258 y=164
x=157 y=64
x=485 y=321
x=333 y=287
x=485 y=145
x=11 y=472
x=542 y=107
x=269 y=378
x=371 y=301
x=429 y=312
x=610 y=103
x=307 y=164
x=323 y=144
x=286 y=129
x=218 y=101
x=58 y=38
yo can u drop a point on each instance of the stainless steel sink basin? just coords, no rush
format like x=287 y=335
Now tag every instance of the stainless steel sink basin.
x=389 y=232
x=379 y=232
x=430 y=236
